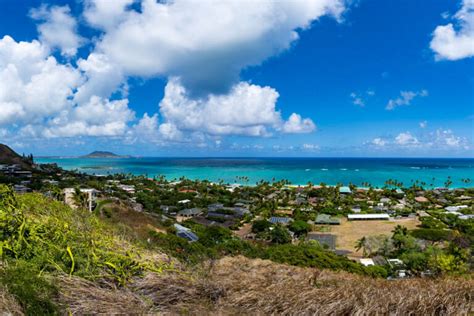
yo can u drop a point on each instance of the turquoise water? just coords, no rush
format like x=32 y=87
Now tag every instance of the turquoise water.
x=297 y=170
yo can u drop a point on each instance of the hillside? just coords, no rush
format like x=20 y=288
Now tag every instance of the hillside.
x=8 y=157
x=103 y=154
x=105 y=263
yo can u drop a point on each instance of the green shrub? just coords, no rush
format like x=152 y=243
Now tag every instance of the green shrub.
x=431 y=222
x=431 y=234
x=34 y=293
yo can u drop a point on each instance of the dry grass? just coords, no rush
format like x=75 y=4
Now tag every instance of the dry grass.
x=8 y=304
x=350 y=231
x=241 y=286
x=262 y=287
x=179 y=293
x=81 y=297
x=135 y=224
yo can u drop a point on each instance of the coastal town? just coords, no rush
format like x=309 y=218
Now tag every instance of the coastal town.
x=389 y=227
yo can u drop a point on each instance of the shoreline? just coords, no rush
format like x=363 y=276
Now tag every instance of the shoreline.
x=430 y=173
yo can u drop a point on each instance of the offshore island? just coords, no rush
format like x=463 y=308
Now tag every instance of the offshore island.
x=119 y=244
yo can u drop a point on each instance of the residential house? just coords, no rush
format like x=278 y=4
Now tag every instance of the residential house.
x=91 y=197
x=362 y=217
x=185 y=233
x=325 y=219
x=280 y=220
x=190 y=212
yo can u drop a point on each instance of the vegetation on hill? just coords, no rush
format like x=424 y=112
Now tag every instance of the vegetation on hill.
x=56 y=260
x=9 y=157
x=40 y=236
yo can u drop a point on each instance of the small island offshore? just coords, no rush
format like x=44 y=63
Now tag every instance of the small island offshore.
x=103 y=154
x=122 y=244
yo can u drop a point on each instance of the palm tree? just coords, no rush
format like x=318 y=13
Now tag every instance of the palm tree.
x=400 y=230
x=362 y=244
x=80 y=198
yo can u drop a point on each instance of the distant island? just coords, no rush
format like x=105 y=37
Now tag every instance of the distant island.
x=103 y=154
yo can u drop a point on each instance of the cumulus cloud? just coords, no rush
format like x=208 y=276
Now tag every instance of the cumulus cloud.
x=105 y=14
x=298 y=125
x=438 y=140
x=102 y=78
x=97 y=117
x=360 y=99
x=178 y=39
x=357 y=100
x=202 y=59
x=378 y=142
x=33 y=85
x=58 y=29
x=405 y=98
x=246 y=110
x=406 y=139
x=423 y=124
x=446 y=138
x=310 y=147
x=456 y=41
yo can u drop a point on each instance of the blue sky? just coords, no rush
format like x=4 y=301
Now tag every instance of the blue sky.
x=238 y=78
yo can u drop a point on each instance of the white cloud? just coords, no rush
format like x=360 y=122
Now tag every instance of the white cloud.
x=102 y=78
x=441 y=140
x=297 y=125
x=405 y=98
x=247 y=110
x=310 y=147
x=201 y=57
x=360 y=99
x=453 y=42
x=57 y=28
x=105 y=14
x=423 y=124
x=179 y=39
x=33 y=85
x=446 y=138
x=98 y=117
x=378 y=142
x=357 y=100
x=406 y=139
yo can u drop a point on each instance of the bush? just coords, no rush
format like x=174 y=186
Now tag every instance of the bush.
x=280 y=235
x=431 y=234
x=52 y=236
x=34 y=293
x=299 y=227
x=433 y=223
x=260 y=226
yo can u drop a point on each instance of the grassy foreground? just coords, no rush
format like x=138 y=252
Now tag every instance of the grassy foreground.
x=56 y=260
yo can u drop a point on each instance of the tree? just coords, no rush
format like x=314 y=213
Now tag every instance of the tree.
x=299 y=227
x=280 y=235
x=362 y=244
x=80 y=198
x=260 y=226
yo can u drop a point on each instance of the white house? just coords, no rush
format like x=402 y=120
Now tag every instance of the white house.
x=362 y=217
x=90 y=193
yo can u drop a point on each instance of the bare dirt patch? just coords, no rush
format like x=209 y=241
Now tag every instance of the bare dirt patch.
x=350 y=231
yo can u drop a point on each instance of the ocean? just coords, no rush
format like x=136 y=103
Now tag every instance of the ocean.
x=331 y=171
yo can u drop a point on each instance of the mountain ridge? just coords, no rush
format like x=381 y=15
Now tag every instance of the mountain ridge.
x=9 y=157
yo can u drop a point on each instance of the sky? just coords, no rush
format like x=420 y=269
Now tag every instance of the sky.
x=295 y=78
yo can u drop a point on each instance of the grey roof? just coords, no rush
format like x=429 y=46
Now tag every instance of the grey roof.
x=280 y=220
x=190 y=212
x=189 y=235
x=324 y=239
x=327 y=219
